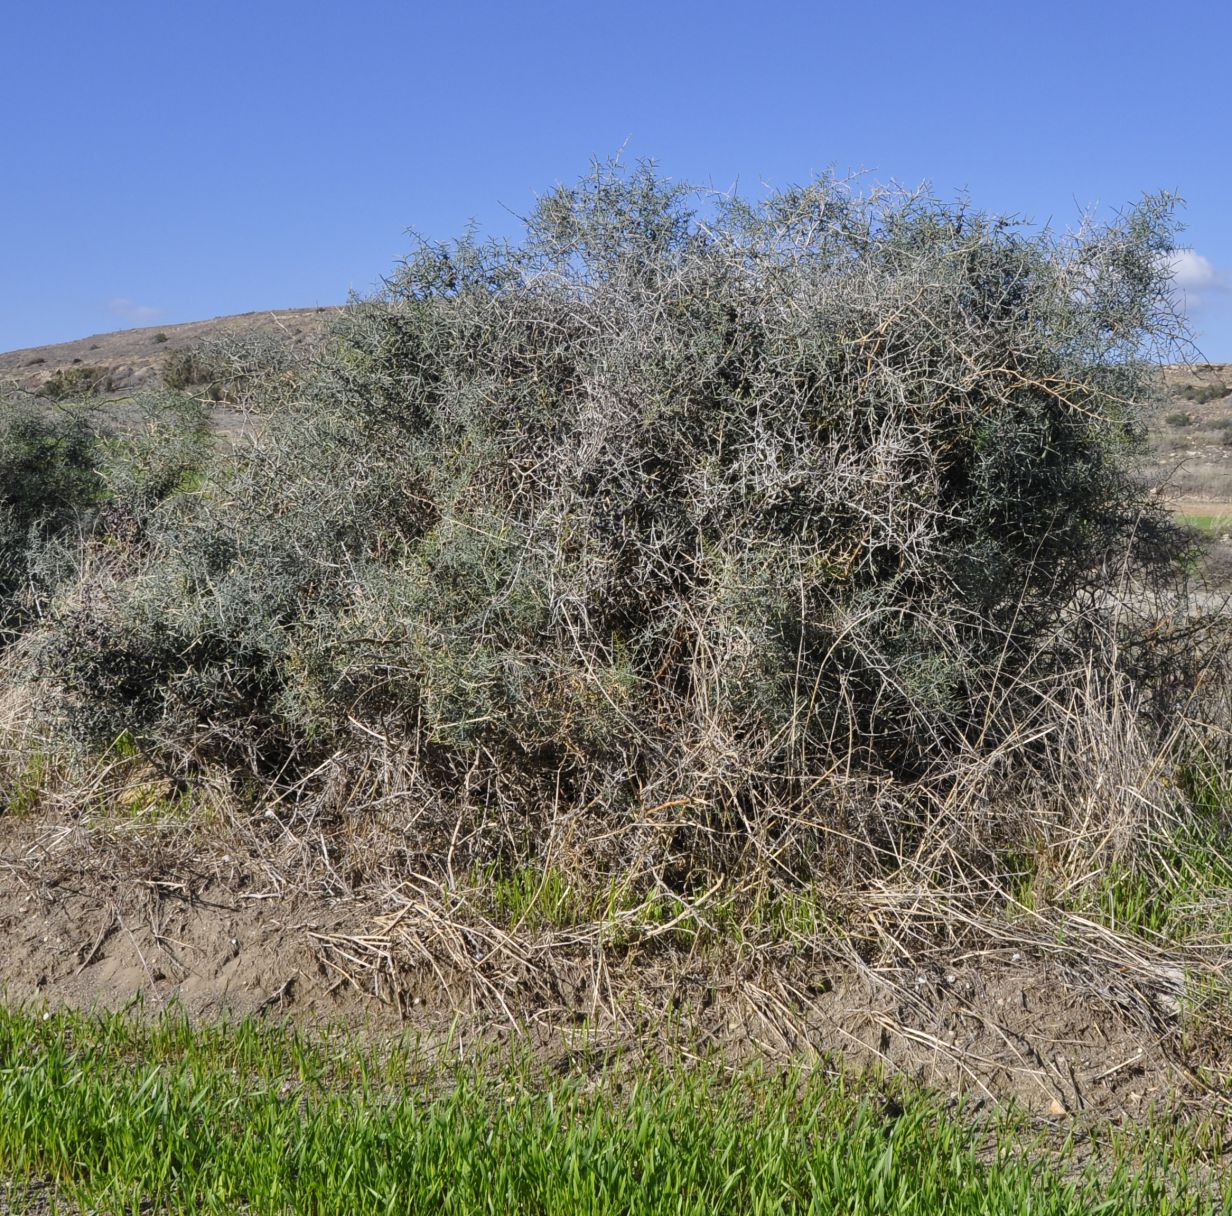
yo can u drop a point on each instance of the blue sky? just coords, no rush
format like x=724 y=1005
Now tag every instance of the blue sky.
x=169 y=162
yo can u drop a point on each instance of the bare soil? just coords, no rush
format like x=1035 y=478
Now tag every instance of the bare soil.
x=223 y=934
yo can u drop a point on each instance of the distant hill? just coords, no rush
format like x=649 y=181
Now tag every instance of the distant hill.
x=1191 y=445
x=130 y=358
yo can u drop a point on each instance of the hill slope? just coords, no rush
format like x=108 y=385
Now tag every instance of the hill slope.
x=129 y=358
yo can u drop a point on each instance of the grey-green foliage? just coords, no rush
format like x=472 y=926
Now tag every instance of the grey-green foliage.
x=67 y=474
x=682 y=494
x=76 y=383
x=49 y=476
x=161 y=452
x=1201 y=394
x=240 y=369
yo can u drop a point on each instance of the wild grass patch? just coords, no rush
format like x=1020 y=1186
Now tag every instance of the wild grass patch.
x=1210 y=523
x=123 y=1115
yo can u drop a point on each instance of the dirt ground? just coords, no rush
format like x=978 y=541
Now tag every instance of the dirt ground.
x=1061 y=1032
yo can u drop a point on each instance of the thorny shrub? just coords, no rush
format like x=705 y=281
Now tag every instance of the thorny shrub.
x=682 y=501
x=49 y=475
x=240 y=369
x=66 y=476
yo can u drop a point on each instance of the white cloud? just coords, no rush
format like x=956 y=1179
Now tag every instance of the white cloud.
x=1192 y=272
x=1197 y=280
x=131 y=311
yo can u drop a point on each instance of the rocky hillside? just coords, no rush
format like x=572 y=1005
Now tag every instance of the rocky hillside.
x=125 y=360
x=1191 y=443
x=110 y=367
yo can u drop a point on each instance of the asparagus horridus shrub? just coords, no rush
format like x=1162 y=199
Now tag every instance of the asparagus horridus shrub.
x=681 y=497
